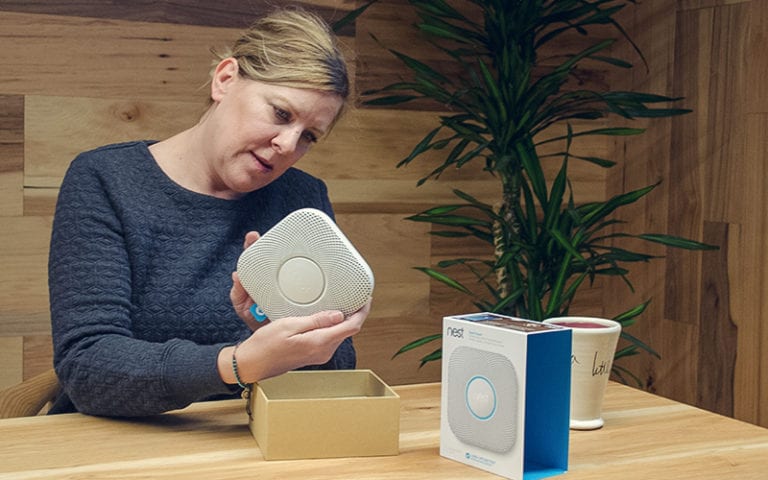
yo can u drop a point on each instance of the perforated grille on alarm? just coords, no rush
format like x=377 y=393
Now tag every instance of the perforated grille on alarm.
x=482 y=399
x=303 y=265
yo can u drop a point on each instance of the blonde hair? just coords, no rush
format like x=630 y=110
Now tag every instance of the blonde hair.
x=294 y=48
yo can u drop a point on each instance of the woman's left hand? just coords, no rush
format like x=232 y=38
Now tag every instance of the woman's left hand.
x=241 y=301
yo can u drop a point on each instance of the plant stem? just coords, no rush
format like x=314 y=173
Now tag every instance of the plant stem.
x=506 y=226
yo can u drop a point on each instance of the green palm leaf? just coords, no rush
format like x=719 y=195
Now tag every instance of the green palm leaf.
x=503 y=96
x=418 y=343
x=441 y=277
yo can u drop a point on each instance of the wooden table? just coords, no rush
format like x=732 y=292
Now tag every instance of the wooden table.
x=645 y=437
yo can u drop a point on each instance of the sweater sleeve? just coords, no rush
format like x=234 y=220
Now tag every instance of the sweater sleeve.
x=103 y=368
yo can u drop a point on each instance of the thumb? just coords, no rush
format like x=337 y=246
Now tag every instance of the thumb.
x=319 y=320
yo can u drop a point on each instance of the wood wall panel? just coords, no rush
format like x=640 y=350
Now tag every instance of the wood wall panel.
x=751 y=274
x=40 y=201
x=699 y=4
x=38 y=354
x=86 y=57
x=401 y=295
x=744 y=247
x=709 y=174
x=685 y=198
x=357 y=160
x=80 y=74
x=24 y=245
x=707 y=318
x=11 y=360
x=756 y=61
x=677 y=342
x=222 y=13
x=718 y=335
x=11 y=154
x=58 y=128
x=644 y=161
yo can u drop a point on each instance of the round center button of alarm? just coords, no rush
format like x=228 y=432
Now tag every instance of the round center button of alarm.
x=301 y=280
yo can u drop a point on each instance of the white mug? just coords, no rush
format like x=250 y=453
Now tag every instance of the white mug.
x=593 y=349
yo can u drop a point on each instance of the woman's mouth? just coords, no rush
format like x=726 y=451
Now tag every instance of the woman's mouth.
x=262 y=164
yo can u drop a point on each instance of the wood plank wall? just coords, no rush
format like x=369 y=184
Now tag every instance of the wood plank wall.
x=707 y=315
x=80 y=74
x=76 y=76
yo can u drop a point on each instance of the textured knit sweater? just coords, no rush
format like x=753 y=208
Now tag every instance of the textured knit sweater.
x=139 y=276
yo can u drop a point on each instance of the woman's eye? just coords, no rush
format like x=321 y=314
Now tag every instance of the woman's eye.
x=309 y=137
x=283 y=115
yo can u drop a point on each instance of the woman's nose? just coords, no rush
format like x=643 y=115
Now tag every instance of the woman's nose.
x=286 y=141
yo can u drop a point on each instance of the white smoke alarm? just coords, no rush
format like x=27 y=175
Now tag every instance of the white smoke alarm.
x=304 y=265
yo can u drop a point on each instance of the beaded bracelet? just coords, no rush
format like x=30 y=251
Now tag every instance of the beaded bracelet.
x=234 y=368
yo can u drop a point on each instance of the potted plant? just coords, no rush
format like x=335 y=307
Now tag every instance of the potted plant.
x=543 y=245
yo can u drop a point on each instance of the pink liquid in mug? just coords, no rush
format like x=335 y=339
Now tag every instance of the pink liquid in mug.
x=583 y=325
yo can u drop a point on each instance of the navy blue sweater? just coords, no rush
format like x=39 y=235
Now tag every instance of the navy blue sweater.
x=139 y=277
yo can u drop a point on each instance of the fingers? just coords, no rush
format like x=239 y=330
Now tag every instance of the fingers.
x=357 y=319
x=240 y=299
x=321 y=331
x=295 y=342
x=331 y=327
x=362 y=314
x=250 y=238
x=316 y=321
x=242 y=303
x=335 y=321
x=237 y=294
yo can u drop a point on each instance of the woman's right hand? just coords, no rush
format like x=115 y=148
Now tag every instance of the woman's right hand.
x=290 y=343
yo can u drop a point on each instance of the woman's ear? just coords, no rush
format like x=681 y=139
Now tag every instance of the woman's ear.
x=224 y=75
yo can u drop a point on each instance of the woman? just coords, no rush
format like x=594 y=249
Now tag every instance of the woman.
x=147 y=234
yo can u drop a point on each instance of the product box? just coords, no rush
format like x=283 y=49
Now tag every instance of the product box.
x=505 y=395
x=323 y=414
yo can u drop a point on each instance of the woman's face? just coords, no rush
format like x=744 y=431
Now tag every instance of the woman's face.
x=256 y=131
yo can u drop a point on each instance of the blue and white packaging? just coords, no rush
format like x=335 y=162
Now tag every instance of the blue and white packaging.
x=506 y=386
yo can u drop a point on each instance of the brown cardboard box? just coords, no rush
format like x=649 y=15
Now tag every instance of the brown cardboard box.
x=323 y=414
